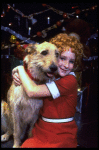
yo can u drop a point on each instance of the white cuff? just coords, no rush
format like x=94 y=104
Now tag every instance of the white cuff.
x=53 y=89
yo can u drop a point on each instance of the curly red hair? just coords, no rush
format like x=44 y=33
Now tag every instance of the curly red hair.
x=64 y=42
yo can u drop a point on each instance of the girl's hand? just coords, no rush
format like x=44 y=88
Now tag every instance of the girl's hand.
x=16 y=77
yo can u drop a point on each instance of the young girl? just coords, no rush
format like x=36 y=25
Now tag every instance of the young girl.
x=56 y=128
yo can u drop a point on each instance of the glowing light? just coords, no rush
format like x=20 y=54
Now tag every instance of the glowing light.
x=79 y=89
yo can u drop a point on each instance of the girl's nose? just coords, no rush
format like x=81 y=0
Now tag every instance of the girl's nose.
x=66 y=64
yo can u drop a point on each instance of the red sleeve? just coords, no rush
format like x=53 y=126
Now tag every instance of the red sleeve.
x=66 y=84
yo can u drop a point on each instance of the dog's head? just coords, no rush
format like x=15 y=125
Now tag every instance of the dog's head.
x=42 y=60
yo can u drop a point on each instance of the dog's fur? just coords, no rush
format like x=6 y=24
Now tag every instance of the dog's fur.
x=4 y=115
x=40 y=60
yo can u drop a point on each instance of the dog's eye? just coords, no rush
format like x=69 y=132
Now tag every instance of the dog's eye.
x=44 y=52
x=57 y=54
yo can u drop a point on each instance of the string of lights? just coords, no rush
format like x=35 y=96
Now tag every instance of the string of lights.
x=23 y=15
x=43 y=33
x=65 y=15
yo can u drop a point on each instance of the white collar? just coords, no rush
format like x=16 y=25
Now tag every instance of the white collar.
x=72 y=73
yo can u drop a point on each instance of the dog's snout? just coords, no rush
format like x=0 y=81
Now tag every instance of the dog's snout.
x=53 y=67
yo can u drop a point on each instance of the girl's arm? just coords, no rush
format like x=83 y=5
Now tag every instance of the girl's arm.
x=32 y=89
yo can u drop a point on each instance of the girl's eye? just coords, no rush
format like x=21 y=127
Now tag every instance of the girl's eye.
x=71 y=61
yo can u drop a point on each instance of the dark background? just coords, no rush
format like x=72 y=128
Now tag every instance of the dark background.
x=30 y=8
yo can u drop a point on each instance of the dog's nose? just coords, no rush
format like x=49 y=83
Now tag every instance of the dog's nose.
x=53 y=67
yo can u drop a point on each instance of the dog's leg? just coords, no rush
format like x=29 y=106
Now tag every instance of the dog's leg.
x=30 y=130
x=9 y=132
x=17 y=129
x=34 y=119
x=5 y=137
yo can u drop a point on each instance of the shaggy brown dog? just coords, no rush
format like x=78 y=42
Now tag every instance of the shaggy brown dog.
x=41 y=62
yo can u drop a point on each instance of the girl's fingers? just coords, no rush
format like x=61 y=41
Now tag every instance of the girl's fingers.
x=17 y=83
x=16 y=76
x=16 y=79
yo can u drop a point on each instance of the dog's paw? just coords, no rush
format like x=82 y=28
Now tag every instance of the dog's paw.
x=16 y=146
x=4 y=137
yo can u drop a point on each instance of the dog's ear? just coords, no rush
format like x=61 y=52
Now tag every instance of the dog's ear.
x=31 y=48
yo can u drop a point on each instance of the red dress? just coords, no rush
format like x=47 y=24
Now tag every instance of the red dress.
x=57 y=135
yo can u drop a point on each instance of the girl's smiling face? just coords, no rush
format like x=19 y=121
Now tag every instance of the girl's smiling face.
x=66 y=63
